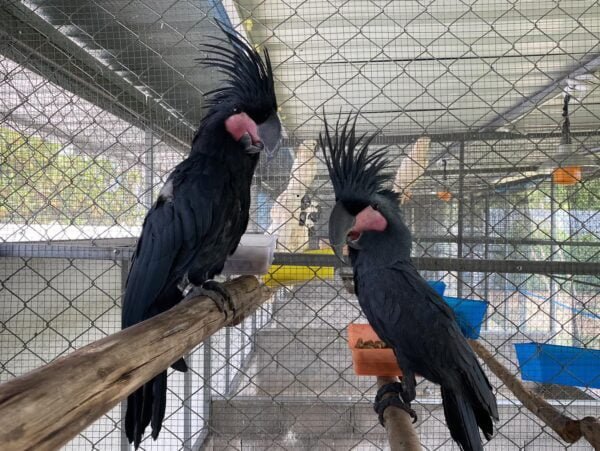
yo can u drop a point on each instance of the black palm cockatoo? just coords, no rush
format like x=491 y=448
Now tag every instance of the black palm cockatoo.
x=202 y=210
x=406 y=313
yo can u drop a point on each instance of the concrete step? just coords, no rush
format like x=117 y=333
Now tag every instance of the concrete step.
x=299 y=391
x=323 y=423
x=309 y=362
x=316 y=362
x=358 y=443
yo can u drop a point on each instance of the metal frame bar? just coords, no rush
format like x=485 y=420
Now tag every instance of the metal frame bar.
x=206 y=396
x=468 y=136
x=45 y=128
x=149 y=167
x=461 y=214
x=29 y=40
x=124 y=442
x=227 y=358
x=50 y=250
x=187 y=407
x=554 y=326
x=460 y=264
x=244 y=365
x=487 y=240
x=36 y=250
x=486 y=249
x=524 y=107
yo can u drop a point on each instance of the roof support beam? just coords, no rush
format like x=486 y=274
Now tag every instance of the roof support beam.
x=587 y=65
x=35 y=44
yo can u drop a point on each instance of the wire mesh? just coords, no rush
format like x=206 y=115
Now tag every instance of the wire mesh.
x=99 y=101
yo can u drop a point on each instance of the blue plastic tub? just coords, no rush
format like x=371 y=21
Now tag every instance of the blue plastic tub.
x=469 y=314
x=438 y=286
x=563 y=365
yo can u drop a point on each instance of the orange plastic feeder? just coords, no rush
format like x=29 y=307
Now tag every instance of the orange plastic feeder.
x=444 y=195
x=568 y=175
x=371 y=362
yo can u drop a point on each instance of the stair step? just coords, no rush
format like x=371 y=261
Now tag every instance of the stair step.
x=246 y=422
x=316 y=362
x=440 y=442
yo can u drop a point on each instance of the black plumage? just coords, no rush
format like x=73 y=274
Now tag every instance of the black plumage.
x=203 y=208
x=402 y=308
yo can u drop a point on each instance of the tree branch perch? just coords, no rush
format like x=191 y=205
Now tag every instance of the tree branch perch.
x=401 y=433
x=47 y=407
x=568 y=429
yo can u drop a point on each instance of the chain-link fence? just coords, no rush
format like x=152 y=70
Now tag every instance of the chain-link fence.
x=99 y=100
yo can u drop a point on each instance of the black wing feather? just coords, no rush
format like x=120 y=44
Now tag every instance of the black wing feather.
x=169 y=244
x=414 y=320
x=156 y=252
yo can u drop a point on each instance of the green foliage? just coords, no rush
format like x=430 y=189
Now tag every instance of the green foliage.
x=582 y=196
x=40 y=182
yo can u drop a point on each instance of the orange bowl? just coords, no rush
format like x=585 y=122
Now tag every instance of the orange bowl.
x=568 y=175
x=444 y=195
x=370 y=362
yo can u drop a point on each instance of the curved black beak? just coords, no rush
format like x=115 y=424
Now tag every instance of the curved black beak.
x=269 y=133
x=341 y=223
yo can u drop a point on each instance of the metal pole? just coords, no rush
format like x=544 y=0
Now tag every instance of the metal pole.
x=471 y=247
x=553 y=251
x=187 y=405
x=486 y=249
x=124 y=442
x=253 y=330
x=207 y=385
x=149 y=166
x=461 y=208
x=572 y=292
x=227 y=359
x=204 y=435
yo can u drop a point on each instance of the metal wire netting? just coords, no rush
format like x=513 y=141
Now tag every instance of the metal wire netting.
x=99 y=100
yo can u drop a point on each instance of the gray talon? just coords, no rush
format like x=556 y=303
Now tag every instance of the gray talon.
x=396 y=401
x=213 y=290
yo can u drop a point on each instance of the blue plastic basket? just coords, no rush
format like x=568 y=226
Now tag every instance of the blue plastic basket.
x=563 y=365
x=469 y=314
x=438 y=286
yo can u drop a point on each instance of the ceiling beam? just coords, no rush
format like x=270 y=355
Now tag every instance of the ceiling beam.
x=97 y=146
x=35 y=44
x=451 y=138
x=587 y=65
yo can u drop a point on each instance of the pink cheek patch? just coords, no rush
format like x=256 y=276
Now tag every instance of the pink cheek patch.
x=369 y=220
x=240 y=124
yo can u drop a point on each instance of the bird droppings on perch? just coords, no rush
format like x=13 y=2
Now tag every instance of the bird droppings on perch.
x=44 y=409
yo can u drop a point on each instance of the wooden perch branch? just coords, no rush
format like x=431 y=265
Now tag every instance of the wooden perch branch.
x=398 y=423
x=568 y=429
x=47 y=407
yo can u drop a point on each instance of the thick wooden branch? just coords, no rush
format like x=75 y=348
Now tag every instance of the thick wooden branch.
x=402 y=436
x=568 y=429
x=47 y=407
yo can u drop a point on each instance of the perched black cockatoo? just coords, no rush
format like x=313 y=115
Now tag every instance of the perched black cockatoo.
x=203 y=208
x=401 y=307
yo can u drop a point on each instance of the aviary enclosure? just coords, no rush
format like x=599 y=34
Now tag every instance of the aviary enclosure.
x=491 y=113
